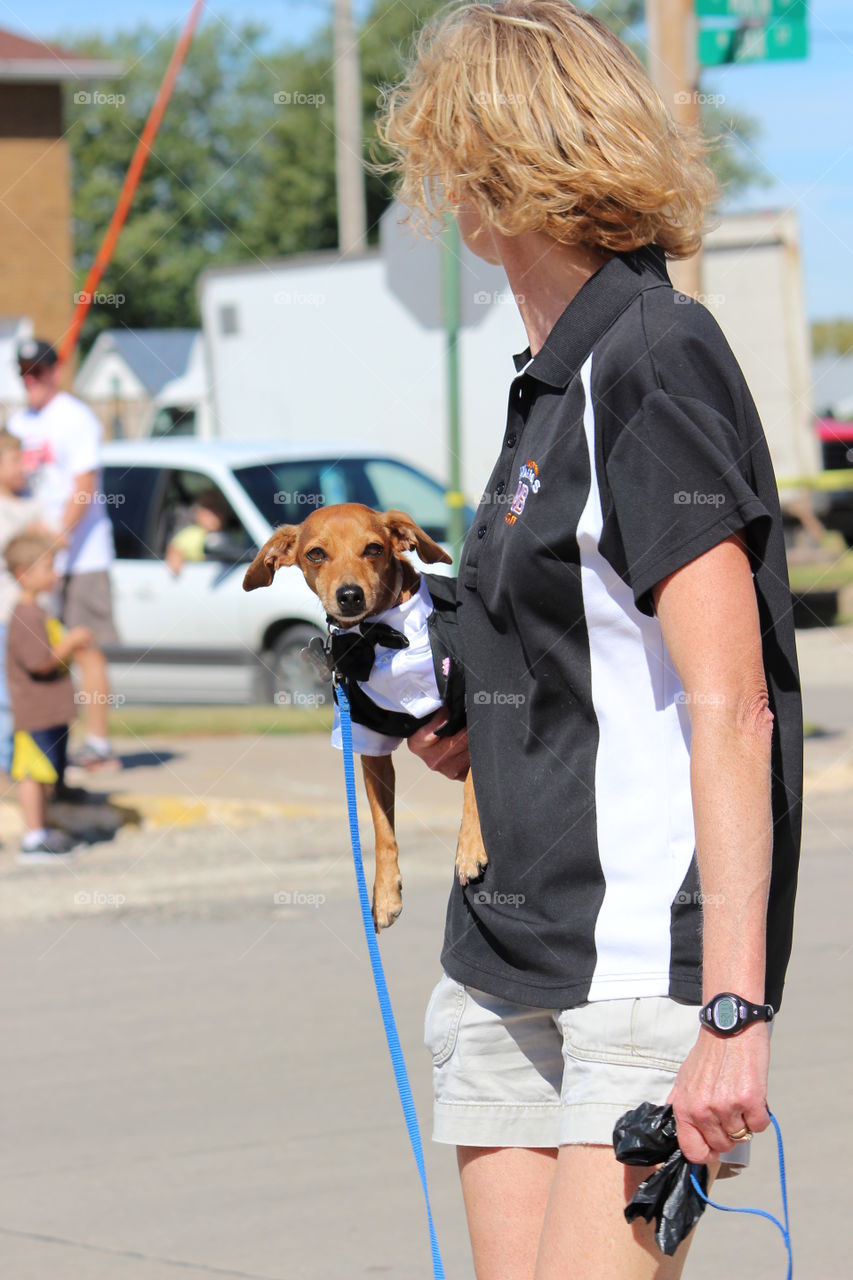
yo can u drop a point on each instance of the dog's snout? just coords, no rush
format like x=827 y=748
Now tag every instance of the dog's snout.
x=350 y=597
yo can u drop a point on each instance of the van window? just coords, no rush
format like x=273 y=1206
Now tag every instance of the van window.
x=181 y=491
x=130 y=492
x=286 y=492
x=395 y=485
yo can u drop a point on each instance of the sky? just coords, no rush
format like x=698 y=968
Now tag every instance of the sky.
x=804 y=110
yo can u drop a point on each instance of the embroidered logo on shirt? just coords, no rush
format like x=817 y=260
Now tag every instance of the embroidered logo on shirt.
x=528 y=482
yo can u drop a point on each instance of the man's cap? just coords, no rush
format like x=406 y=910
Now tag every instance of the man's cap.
x=35 y=355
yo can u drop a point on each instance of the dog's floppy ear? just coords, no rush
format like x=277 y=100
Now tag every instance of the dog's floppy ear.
x=405 y=535
x=277 y=551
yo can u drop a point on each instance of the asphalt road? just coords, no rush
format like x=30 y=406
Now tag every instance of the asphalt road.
x=195 y=1080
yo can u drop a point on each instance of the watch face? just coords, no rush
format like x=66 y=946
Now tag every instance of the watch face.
x=726 y=1014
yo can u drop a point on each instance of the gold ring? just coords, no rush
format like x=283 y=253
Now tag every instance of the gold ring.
x=742 y=1135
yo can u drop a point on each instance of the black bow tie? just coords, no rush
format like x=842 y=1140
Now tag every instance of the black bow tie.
x=353 y=651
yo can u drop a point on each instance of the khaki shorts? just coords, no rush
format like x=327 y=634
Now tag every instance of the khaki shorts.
x=511 y=1075
x=86 y=601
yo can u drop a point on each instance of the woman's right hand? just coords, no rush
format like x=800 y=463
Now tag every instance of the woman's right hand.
x=446 y=755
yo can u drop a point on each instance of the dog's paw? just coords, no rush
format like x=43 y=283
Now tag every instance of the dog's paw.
x=387 y=905
x=470 y=864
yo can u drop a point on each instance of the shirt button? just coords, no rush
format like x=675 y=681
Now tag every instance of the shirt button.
x=500 y=486
x=481 y=532
x=510 y=441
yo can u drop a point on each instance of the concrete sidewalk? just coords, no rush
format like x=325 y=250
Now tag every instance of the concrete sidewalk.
x=210 y=1094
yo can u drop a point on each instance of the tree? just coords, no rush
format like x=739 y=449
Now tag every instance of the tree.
x=243 y=168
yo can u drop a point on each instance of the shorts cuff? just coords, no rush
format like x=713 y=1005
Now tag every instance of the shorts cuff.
x=592 y=1124
x=495 y=1125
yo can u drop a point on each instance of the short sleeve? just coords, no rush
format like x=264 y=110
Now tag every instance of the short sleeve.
x=29 y=643
x=84 y=442
x=676 y=475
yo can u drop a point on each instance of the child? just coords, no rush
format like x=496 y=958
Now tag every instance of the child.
x=16 y=514
x=209 y=514
x=42 y=694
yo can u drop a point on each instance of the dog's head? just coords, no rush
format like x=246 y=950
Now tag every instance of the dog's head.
x=349 y=555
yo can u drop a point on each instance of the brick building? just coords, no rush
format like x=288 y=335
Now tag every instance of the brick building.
x=36 y=252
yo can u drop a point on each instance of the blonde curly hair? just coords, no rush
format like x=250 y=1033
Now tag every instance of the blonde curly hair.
x=538 y=116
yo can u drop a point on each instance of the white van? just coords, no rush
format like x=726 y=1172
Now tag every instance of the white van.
x=196 y=636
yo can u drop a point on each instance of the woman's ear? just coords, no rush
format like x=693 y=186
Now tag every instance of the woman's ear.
x=276 y=553
x=405 y=535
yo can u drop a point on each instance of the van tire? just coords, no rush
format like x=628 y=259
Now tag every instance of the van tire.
x=295 y=680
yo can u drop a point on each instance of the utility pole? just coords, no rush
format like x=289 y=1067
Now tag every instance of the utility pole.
x=352 y=223
x=674 y=69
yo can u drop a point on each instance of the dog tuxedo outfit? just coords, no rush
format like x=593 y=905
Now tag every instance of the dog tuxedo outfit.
x=399 y=667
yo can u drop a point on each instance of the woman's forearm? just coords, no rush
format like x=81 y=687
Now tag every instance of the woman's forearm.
x=730 y=774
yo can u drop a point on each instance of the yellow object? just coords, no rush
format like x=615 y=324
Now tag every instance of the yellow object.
x=825 y=481
x=29 y=761
x=55 y=634
x=190 y=542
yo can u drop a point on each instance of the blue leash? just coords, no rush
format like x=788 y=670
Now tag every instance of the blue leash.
x=761 y=1213
x=394 y=1048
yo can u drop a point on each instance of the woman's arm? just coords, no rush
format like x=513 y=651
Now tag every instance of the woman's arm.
x=709 y=619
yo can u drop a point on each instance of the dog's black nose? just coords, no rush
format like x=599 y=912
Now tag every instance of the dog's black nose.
x=350 y=598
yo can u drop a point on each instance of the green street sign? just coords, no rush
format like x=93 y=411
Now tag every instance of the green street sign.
x=753 y=10
x=772 y=43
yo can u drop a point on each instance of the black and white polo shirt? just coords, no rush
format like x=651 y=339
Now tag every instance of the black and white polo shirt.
x=632 y=446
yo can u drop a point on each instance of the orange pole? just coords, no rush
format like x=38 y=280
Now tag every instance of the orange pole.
x=131 y=181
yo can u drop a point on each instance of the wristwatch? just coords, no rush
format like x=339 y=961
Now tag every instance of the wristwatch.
x=728 y=1014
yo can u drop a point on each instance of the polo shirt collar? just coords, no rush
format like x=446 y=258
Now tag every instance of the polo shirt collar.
x=591 y=313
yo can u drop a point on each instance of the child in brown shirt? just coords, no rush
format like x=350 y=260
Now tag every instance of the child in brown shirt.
x=41 y=693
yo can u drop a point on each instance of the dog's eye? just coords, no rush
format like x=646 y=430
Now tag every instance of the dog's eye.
x=316 y=554
x=374 y=549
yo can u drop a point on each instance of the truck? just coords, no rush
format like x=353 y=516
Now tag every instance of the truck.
x=327 y=347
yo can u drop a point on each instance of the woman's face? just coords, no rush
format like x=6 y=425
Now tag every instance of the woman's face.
x=483 y=244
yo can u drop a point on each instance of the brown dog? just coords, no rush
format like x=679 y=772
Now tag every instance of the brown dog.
x=353 y=559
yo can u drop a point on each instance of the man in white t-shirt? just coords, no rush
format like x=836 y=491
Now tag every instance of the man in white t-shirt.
x=61 y=440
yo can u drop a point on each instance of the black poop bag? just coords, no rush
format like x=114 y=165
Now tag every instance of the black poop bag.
x=647 y=1136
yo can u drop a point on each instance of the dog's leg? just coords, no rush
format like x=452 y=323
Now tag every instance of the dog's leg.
x=387 y=887
x=471 y=856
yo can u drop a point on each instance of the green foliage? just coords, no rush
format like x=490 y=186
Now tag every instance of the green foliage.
x=243 y=168
x=832 y=337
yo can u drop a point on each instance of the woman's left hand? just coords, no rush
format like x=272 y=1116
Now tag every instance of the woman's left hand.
x=720 y=1088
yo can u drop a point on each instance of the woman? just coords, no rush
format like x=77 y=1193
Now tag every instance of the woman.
x=634 y=720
